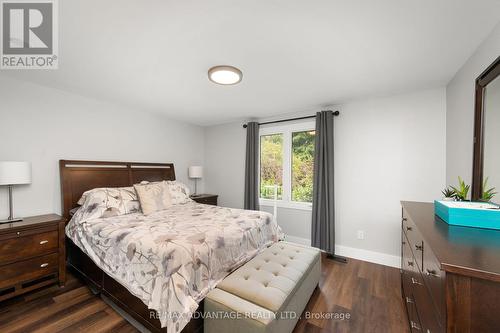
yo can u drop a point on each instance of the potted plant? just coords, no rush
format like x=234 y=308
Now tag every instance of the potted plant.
x=448 y=194
x=462 y=191
x=487 y=194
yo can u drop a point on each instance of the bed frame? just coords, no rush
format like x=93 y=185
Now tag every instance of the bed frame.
x=80 y=176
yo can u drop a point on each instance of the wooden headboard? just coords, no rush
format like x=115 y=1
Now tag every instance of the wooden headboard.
x=80 y=176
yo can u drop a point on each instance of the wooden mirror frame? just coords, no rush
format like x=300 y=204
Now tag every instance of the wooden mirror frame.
x=490 y=74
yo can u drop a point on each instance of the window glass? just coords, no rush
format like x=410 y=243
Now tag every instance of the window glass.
x=302 y=165
x=271 y=165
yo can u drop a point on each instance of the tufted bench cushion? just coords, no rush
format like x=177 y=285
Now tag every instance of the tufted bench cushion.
x=279 y=280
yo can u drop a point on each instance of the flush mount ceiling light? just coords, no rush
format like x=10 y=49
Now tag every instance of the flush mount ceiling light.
x=225 y=75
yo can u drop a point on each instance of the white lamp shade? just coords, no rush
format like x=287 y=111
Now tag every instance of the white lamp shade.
x=14 y=173
x=195 y=172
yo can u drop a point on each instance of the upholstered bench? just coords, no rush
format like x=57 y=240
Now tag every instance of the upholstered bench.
x=267 y=294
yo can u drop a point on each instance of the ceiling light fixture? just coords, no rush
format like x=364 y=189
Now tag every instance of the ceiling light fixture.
x=225 y=75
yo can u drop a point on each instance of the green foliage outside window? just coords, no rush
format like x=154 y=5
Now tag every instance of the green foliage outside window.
x=302 y=166
x=271 y=165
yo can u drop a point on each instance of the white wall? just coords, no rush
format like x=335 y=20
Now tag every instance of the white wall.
x=225 y=163
x=387 y=150
x=460 y=109
x=42 y=125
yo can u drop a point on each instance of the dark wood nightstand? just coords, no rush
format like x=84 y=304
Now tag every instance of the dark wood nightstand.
x=32 y=254
x=207 y=199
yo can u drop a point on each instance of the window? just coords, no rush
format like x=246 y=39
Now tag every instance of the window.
x=287 y=161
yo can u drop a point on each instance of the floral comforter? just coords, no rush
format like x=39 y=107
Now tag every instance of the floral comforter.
x=171 y=259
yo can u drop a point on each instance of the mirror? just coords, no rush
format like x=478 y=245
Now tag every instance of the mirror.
x=486 y=165
x=491 y=137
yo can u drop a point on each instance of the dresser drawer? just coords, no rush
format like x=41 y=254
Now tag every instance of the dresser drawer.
x=24 y=247
x=415 y=239
x=409 y=301
x=407 y=289
x=408 y=262
x=27 y=270
x=415 y=325
x=424 y=305
x=406 y=269
x=434 y=279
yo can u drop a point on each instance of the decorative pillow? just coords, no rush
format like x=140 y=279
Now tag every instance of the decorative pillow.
x=106 y=202
x=153 y=197
x=179 y=192
x=127 y=193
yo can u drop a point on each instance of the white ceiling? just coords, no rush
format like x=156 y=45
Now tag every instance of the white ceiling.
x=295 y=55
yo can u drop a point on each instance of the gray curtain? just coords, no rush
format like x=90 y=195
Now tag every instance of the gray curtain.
x=323 y=209
x=251 y=167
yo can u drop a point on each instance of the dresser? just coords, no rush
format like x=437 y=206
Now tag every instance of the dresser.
x=32 y=254
x=450 y=275
x=207 y=199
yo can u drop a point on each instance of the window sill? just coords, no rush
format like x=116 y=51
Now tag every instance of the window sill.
x=286 y=204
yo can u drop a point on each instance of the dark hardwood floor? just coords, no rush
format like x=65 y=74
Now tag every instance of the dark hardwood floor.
x=368 y=293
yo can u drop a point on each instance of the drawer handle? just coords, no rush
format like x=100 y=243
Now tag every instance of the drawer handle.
x=44 y=242
x=419 y=247
x=414 y=325
x=405 y=219
x=18 y=233
x=431 y=272
x=415 y=281
x=44 y=265
x=410 y=263
x=409 y=300
x=409 y=228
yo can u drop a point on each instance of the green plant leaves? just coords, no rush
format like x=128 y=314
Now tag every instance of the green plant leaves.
x=487 y=194
x=462 y=191
x=448 y=192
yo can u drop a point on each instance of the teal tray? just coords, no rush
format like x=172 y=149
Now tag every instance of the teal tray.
x=469 y=214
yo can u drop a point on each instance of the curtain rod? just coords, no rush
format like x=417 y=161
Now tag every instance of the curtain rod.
x=335 y=113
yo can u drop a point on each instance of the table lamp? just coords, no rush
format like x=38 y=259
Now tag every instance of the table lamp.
x=195 y=172
x=14 y=173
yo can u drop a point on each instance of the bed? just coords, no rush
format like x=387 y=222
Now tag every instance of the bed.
x=159 y=267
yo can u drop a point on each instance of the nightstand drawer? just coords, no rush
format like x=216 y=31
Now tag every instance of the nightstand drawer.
x=27 y=270
x=24 y=247
x=207 y=199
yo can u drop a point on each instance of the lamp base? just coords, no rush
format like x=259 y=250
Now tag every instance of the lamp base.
x=16 y=219
x=10 y=219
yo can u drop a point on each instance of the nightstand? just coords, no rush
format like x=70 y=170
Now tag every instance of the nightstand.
x=207 y=199
x=32 y=254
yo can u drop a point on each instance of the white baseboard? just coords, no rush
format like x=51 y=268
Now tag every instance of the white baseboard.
x=298 y=240
x=351 y=252
x=370 y=256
